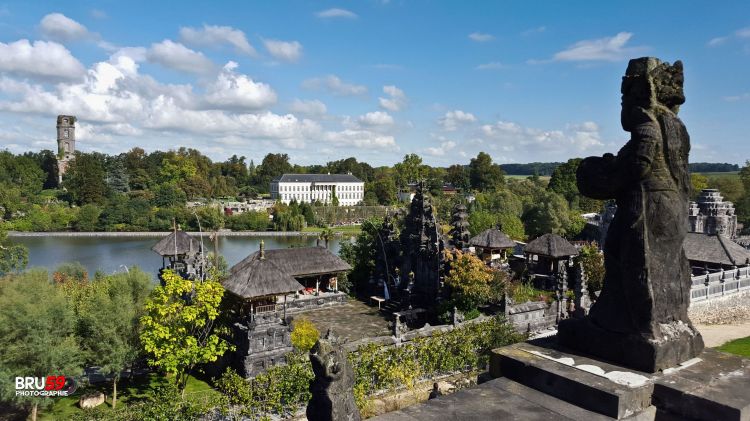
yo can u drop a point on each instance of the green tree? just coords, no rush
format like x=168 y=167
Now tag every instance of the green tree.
x=698 y=182
x=593 y=265
x=168 y=195
x=273 y=165
x=37 y=330
x=85 y=179
x=88 y=218
x=549 y=215
x=384 y=187
x=178 y=333
x=470 y=280
x=563 y=181
x=410 y=170
x=109 y=324
x=483 y=174
x=458 y=175
x=13 y=258
x=117 y=176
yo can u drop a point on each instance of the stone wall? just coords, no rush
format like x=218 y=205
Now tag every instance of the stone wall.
x=727 y=309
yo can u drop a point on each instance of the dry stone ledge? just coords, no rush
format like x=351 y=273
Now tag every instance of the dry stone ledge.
x=91 y=400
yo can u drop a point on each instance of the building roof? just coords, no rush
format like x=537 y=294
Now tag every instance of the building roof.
x=177 y=243
x=712 y=248
x=275 y=272
x=551 y=245
x=318 y=178
x=492 y=239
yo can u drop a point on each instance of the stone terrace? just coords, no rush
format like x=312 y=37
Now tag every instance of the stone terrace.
x=351 y=321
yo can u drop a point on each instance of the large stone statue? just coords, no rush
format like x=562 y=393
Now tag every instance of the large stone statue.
x=640 y=319
x=332 y=389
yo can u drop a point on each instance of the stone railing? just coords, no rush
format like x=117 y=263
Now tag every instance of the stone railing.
x=719 y=284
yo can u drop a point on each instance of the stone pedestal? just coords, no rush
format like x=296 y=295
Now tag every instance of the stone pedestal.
x=680 y=342
x=712 y=386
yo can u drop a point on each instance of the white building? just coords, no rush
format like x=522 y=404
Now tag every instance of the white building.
x=309 y=188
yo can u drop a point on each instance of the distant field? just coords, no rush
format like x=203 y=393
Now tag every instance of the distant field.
x=718 y=174
x=523 y=177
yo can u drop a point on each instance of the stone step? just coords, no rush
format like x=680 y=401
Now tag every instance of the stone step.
x=592 y=385
x=716 y=387
x=498 y=399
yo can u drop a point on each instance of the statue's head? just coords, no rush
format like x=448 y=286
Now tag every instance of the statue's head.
x=650 y=86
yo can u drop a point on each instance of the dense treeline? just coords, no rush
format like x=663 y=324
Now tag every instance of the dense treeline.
x=713 y=167
x=139 y=191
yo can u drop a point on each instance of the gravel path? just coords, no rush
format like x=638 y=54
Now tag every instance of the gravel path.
x=715 y=335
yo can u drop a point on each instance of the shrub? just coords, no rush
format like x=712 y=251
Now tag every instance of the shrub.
x=304 y=334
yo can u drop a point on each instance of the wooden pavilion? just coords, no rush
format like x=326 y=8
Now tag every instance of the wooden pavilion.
x=182 y=253
x=493 y=243
x=546 y=257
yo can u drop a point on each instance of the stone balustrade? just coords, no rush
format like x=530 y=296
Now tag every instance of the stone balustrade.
x=719 y=284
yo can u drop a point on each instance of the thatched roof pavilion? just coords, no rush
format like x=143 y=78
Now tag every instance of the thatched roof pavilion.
x=492 y=239
x=177 y=243
x=714 y=250
x=275 y=272
x=551 y=246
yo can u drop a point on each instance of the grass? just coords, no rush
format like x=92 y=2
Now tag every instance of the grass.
x=523 y=177
x=127 y=391
x=739 y=347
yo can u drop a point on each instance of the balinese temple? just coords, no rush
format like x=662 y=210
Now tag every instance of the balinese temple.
x=547 y=258
x=713 y=252
x=711 y=214
x=492 y=245
x=182 y=253
x=264 y=288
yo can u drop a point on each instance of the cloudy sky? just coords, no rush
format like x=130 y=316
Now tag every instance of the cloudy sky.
x=374 y=79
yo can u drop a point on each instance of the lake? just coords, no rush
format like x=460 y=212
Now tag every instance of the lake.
x=113 y=254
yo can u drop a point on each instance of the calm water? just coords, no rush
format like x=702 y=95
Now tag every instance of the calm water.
x=111 y=254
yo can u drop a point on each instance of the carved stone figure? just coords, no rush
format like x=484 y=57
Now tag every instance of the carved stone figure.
x=332 y=389
x=640 y=319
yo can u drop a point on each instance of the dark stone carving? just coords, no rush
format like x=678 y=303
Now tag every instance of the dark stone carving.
x=332 y=389
x=640 y=319
x=459 y=233
x=421 y=247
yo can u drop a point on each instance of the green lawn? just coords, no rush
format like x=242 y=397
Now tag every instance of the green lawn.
x=738 y=346
x=127 y=391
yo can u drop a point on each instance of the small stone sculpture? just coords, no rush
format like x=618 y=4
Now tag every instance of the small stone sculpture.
x=332 y=389
x=640 y=319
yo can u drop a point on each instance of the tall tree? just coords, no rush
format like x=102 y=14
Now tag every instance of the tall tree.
x=563 y=181
x=178 y=333
x=37 y=330
x=485 y=175
x=117 y=176
x=273 y=165
x=110 y=323
x=410 y=170
x=458 y=175
x=85 y=179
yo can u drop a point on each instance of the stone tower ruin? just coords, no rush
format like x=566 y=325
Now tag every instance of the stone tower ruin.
x=66 y=142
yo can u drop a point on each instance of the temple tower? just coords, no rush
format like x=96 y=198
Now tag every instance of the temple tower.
x=66 y=142
x=711 y=214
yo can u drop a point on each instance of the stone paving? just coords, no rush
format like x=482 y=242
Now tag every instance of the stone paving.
x=351 y=321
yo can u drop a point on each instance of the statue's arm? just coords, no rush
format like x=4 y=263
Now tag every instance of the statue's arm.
x=644 y=143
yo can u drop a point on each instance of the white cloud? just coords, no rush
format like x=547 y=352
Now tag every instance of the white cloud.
x=376 y=118
x=40 y=60
x=59 y=27
x=741 y=34
x=361 y=139
x=442 y=149
x=336 y=13
x=235 y=91
x=493 y=65
x=601 y=49
x=215 y=36
x=289 y=51
x=396 y=98
x=178 y=57
x=735 y=98
x=532 y=31
x=510 y=136
x=308 y=107
x=335 y=85
x=480 y=37
x=452 y=119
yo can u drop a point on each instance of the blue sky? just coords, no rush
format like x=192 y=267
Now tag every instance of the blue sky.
x=523 y=81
